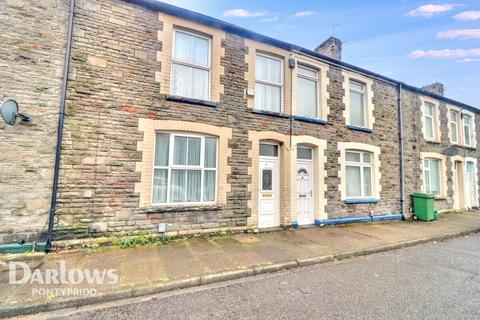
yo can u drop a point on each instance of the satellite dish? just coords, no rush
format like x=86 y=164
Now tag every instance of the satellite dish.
x=9 y=112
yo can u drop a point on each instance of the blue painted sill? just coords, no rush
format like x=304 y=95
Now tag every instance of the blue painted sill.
x=362 y=201
x=310 y=120
x=357 y=128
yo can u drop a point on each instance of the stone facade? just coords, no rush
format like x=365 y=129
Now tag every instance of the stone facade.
x=118 y=97
x=33 y=40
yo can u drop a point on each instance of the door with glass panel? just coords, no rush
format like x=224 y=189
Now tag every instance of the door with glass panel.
x=305 y=204
x=471 y=194
x=268 y=208
x=458 y=189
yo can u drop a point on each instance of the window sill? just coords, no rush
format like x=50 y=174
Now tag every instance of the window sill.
x=271 y=113
x=310 y=120
x=432 y=141
x=467 y=147
x=181 y=208
x=357 y=128
x=361 y=201
x=201 y=102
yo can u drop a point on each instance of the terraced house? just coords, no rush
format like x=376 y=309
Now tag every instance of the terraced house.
x=179 y=122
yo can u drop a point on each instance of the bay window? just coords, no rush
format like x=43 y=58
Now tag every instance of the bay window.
x=431 y=176
x=185 y=168
x=307 y=92
x=191 y=66
x=358 y=171
x=467 y=130
x=358 y=113
x=429 y=120
x=453 y=119
x=268 y=83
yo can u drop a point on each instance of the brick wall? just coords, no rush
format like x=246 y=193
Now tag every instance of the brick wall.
x=33 y=38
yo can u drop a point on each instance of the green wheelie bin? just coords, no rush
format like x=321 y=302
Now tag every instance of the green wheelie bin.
x=424 y=206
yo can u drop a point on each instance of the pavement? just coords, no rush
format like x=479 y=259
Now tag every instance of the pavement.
x=188 y=263
x=435 y=281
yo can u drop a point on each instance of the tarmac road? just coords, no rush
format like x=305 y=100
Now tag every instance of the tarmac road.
x=430 y=281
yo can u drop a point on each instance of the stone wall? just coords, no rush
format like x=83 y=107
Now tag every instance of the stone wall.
x=112 y=87
x=33 y=38
x=415 y=144
x=116 y=91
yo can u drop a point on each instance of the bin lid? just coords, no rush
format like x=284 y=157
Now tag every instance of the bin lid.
x=423 y=195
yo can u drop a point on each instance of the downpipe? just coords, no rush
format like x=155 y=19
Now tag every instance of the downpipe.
x=400 y=140
x=61 y=120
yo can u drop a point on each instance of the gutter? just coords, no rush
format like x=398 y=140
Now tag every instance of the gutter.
x=400 y=141
x=231 y=28
x=61 y=120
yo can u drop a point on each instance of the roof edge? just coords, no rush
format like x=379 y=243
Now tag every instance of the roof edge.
x=231 y=28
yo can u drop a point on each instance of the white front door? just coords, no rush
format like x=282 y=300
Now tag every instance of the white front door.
x=305 y=192
x=471 y=196
x=268 y=209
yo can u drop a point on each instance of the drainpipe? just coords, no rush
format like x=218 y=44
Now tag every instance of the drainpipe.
x=402 y=168
x=61 y=120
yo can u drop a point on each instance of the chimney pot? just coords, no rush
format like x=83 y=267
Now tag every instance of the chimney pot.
x=331 y=47
x=435 y=88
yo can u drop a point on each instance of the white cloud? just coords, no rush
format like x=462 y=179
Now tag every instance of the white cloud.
x=429 y=10
x=303 y=14
x=468 y=16
x=468 y=60
x=446 y=53
x=271 y=19
x=282 y=27
x=242 y=13
x=462 y=34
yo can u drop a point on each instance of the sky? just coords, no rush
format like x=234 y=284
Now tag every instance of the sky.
x=418 y=42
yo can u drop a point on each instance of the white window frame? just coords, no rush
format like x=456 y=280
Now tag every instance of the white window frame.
x=317 y=86
x=364 y=98
x=269 y=83
x=427 y=169
x=171 y=167
x=361 y=165
x=471 y=130
x=433 y=119
x=456 y=123
x=192 y=65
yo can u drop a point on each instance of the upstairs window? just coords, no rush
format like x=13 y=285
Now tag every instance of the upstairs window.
x=358 y=113
x=268 y=83
x=467 y=130
x=429 y=120
x=358 y=168
x=307 y=92
x=191 y=66
x=431 y=176
x=453 y=118
x=185 y=169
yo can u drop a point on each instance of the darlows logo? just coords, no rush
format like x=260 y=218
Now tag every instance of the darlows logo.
x=62 y=275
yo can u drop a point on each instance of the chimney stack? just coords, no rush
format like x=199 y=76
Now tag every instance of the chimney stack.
x=436 y=88
x=331 y=47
